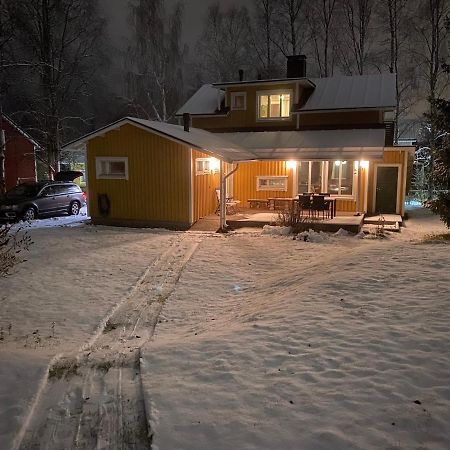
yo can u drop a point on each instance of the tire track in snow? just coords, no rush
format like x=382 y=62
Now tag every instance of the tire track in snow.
x=94 y=399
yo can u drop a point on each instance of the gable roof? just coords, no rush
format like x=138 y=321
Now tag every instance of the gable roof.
x=20 y=130
x=332 y=93
x=352 y=92
x=196 y=138
x=204 y=101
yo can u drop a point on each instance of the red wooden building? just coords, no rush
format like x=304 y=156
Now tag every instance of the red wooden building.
x=20 y=154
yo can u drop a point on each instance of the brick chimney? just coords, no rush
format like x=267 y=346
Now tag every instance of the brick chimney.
x=186 y=121
x=296 y=66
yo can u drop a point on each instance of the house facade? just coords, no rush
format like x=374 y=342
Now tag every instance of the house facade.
x=331 y=135
x=20 y=154
x=255 y=139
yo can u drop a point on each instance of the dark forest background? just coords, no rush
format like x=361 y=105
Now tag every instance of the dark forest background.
x=67 y=67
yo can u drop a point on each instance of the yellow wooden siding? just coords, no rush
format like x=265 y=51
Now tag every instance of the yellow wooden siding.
x=244 y=180
x=396 y=156
x=159 y=177
x=205 y=197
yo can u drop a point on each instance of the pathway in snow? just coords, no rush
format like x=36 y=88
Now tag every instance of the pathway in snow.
x=94 y=399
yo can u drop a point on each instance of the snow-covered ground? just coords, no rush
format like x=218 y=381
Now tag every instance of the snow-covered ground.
x=263 y=342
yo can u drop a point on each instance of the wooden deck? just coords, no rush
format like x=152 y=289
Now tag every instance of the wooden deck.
x=257 y=218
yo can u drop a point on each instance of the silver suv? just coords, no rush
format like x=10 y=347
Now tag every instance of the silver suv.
x=45 y=198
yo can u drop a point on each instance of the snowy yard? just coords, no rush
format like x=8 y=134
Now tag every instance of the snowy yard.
x=261 y=342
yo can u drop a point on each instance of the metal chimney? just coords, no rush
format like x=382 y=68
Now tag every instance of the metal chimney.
x=296 y=66
x=241 y=75
x=186 y=121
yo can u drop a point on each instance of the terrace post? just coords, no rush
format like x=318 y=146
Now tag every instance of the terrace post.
x=223 y=198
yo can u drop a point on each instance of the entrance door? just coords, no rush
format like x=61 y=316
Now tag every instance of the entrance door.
x=386 y=193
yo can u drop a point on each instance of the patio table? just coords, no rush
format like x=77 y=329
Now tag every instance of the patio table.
x=331 y=201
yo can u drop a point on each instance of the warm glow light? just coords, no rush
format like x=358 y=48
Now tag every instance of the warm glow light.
x=356 y=165
x=214 y=164
x=364 y=164
x=291 y=164
x=337 y=163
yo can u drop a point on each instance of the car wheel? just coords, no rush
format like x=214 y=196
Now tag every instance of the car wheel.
x=74 y=209
x=30 y=214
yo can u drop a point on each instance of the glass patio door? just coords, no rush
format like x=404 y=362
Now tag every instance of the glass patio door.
x=309 y=176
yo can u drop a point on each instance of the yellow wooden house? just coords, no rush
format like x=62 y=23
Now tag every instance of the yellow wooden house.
x=258 y=139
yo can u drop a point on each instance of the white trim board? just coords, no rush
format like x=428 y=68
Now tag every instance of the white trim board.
x=375 y=183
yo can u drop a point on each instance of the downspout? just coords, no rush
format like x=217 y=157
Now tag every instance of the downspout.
x=223 y=196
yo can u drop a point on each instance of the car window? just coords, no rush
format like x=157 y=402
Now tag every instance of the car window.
x=48 y=191
x=61 y=189
x=73 y=189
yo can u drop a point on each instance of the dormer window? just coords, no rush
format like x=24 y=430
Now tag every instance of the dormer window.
x=274 y=105
x=238 y=101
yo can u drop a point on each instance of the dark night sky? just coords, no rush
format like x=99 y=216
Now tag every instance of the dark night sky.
x=117 y=12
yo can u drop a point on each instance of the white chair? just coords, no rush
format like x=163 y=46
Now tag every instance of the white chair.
x=231 y=205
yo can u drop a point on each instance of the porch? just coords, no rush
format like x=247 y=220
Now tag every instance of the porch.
x=251 y=218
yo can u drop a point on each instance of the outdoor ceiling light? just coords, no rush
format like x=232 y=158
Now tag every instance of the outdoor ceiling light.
x=291 y=164
x=214 y=164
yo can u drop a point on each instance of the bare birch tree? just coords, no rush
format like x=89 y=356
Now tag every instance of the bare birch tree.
x=57 y=39
x=431 y=32
x=155 y=75
x=225 y=44
x=290 y=27
x=321 y=15
x=263 y=36
x=357 y=16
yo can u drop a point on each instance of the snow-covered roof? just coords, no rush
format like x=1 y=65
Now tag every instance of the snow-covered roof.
x=332 y=93
x=204 y=101
x=196 y=138
x=352 y=92
x=266 y=145
x=302 y=81
x=321 y=144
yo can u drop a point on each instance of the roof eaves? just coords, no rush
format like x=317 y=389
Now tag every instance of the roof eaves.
x=21 y=131
x=270 y=81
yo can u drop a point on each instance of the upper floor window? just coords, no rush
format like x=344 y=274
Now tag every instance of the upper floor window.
x=274 y=105
x=238 y=101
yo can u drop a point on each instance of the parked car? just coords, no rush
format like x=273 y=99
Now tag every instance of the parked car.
x=45 y=198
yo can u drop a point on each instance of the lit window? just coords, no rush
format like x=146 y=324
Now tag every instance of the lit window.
x=238 y=101
x=206 y=166
x=340 y=177
x=274 y=106
x=115 y=168
x=310 y=176
x=279 y=183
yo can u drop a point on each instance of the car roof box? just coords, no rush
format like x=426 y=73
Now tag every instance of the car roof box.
x=68 y=175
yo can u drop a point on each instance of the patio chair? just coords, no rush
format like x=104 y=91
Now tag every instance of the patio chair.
x=304 y=203
x=231 y=205
x=319 y=204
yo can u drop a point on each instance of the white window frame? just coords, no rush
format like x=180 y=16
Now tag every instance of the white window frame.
x=354 y=183
x=98 y=167
x=271 y=188
x=322 y=174
x=269 y=93
x=238 y=94
x=203 y=170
